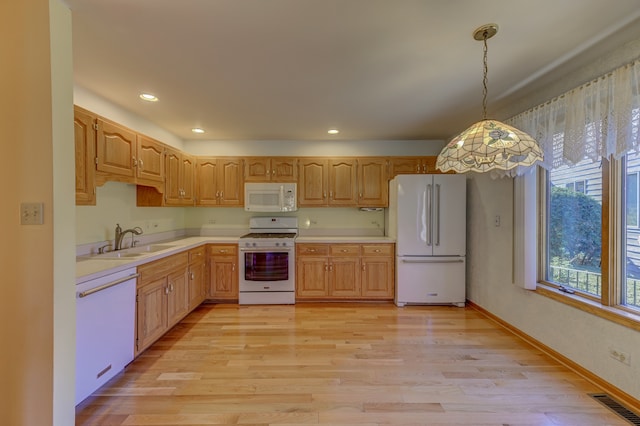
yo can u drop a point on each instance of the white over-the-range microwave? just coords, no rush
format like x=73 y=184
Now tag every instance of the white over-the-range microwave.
x=270 y=197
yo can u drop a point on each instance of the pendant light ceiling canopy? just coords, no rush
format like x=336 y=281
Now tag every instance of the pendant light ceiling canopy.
x=488 y=144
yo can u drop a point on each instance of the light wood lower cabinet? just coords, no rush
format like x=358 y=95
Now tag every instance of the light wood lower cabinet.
x=223 y=272
x=162 y=297
x=197 y=276
x=345 y=271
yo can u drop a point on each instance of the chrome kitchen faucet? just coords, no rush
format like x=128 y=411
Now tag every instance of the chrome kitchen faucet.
x=120 y=235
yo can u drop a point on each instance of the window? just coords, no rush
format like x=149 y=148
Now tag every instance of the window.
x=578 y=242
x=574 y=228
x=577 y=186
x=630 y=240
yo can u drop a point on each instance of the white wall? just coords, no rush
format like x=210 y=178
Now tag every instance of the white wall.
x=314 y=148
x=116 y=203
x=582 y=337
x=94 y=103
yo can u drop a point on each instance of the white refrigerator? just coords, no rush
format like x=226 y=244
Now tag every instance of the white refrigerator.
x=427 y=217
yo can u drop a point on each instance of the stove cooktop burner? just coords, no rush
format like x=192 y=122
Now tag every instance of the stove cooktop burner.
x=270 y=235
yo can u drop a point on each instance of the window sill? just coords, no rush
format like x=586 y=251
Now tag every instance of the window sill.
x=616 y=315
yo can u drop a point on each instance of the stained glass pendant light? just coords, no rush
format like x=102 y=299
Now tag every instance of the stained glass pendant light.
x=488 y=144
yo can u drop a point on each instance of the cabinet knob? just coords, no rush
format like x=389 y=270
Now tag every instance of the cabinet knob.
x=377 y=251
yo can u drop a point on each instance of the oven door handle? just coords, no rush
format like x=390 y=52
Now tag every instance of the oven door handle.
x=266 y=249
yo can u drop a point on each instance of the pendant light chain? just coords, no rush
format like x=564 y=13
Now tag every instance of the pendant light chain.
x=484 y=78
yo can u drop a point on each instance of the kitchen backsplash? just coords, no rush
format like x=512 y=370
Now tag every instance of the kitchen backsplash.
x=116 y=203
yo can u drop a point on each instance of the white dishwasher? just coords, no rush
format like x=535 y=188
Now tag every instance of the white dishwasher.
x=105 y=324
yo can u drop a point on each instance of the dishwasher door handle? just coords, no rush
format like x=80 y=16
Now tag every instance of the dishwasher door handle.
x=106 y=286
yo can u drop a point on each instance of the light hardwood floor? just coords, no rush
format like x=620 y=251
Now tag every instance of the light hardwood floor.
x=343 y=364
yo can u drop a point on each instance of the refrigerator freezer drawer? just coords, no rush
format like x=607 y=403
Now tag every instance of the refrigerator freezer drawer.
x=429 y=280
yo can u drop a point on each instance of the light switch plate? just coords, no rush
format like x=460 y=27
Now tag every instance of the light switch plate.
x=31 y=213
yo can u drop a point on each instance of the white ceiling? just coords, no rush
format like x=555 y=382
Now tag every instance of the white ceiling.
x=291 y=69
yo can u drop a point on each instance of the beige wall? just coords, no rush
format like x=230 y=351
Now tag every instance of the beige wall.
x=64 y=302
x=27 y=175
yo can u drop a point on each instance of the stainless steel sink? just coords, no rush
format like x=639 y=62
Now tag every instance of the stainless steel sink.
x=132 y=253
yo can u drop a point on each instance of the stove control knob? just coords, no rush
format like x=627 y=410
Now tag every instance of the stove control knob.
x=254 y=244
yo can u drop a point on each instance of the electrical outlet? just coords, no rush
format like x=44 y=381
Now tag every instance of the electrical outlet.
x=620 y=356
x=31 y=213
x=497 y=220
x=212 y=221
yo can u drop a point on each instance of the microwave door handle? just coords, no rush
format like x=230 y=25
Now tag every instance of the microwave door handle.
x=281 y=197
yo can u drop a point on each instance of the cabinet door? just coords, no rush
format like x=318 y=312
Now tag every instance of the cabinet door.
x=85 y=150
x=151 y=313
x=377 y=275
x=196 y=284
x=223 y=278
x=230 y=182
x=373 y=185
x=115 y=149
x=313 y=183
x=150 y=164
x=172 y=189
x=342 y=183
x=187 y=176
x=207 y=182
x=177 y=296
x=284 y=169
x=257 y=169
x=312 y=279
x=344 y=278
x=405 y=165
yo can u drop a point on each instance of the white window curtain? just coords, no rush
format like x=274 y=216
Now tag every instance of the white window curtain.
x=598 y=119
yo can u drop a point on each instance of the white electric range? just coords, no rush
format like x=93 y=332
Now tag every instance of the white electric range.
x=267 y=261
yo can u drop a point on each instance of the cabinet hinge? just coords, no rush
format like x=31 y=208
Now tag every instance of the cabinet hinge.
x=95 y=126
x=95 y=160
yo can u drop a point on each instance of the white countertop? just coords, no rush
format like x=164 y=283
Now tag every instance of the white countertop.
x=344 y=239
x=91 y=267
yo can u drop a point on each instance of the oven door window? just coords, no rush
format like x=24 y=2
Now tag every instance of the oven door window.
x=266 y=266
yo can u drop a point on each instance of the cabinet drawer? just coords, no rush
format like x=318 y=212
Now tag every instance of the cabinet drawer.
x=377 y=249
x=162 y=267
x=345 y=250
x=222 y=249
x=312 y=249
x=197 y=254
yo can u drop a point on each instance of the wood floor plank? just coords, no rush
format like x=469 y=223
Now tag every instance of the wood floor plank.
x=342 y=364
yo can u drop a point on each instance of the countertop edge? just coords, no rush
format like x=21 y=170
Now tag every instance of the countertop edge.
x=88 y=269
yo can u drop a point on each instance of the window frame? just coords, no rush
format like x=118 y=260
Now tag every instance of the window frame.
x=608 y=305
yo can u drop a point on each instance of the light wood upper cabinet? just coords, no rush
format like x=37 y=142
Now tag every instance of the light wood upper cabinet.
x=150 y=160
x=342 y=182
x=373 y=182
x=413 y=165
x=85 y=155
x=313 y=182
x=179 y=178
x=219 y=182
x=116 y=152
x=270 y=169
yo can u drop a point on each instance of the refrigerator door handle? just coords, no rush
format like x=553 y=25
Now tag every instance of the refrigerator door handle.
x=429 y=210
x=432 y=261
x=436 y=212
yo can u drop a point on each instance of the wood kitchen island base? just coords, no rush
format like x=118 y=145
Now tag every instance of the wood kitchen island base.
x=332 y=364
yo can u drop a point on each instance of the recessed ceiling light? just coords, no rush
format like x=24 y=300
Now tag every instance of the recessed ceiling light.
x=148 y=97
x=333 y=131
x=197 y=130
